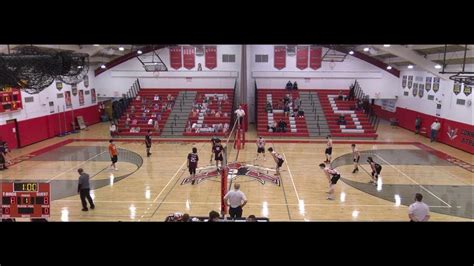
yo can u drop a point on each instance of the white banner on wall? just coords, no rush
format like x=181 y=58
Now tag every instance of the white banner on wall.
x=389 y=105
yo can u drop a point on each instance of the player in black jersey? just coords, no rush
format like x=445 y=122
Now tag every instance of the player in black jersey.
x=193 y=159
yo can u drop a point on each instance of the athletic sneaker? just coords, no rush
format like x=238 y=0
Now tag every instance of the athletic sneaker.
x=116 y=169
x=93 y=207
x=84 y=210
x=330 y=198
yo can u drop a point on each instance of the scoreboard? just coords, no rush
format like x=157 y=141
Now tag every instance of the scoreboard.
x=26 y=200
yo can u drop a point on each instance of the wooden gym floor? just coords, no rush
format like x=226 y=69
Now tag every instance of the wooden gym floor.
x=149 y=189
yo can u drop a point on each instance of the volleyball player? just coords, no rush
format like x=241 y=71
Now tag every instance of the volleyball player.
x=193 y=159
x=355 y=158
x=218 y=153
x=261 y=147
x=328 y=151
x=376 y=169
x=213 y=143
x=148 y=143
x=113 y=154
x=278 y=160
x=332 y=176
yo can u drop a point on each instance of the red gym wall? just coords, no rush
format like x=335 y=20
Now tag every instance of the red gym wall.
x=463 y=139
x=45 y=127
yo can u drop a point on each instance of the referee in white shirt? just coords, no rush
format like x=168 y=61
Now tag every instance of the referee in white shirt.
x=419 y=211
x=236 y=200
x=240 y=113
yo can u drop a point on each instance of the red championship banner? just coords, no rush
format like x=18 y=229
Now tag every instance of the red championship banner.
x=175 y=57
x=315 y=57
x=188 y=57
x=302 y=57
x=211 y=57
x=280 y=57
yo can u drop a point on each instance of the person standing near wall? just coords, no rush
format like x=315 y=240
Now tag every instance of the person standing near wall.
x=435 y=129
x=240 y=113
x=417 y=124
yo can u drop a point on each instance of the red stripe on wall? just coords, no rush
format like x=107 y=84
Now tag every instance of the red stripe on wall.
x=387 y=115
x=452 y=133
x=45 y=127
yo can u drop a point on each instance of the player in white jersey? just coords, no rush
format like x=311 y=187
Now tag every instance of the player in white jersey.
x=355 y=158
x=332 y=176
x=328 y=151
x=261 y=147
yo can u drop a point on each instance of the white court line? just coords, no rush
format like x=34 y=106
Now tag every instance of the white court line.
x=255 y=204
x=70 y=169
x=291 y=177
x=175 y=174
x=425 y=189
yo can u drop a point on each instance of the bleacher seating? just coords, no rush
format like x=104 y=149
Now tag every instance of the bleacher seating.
x=357 y=123
x=296 y=126
x=149 y=95
x=201 y=123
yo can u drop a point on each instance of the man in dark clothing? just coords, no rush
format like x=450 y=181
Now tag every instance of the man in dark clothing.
x=417 y=125
x=83 y=189
x=148 y=143
x=289 y=85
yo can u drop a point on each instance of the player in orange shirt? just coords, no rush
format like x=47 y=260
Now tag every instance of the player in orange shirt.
x=113 y=154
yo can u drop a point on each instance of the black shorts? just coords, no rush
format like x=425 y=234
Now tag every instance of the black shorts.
x=280 y=162
x=218 y=157
x=260 y=150
x=356 y=160
x=375 y=174
x=114 y=159
x=328 y=151
x=192 y=170
x=335 y=178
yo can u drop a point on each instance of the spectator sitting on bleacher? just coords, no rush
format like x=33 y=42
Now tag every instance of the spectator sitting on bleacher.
x=226 y=114
x=300 y=113
x=226 y=128
x=127 y=122
x=225 y=98
x=340 y=96
x=143 y=116
x=295 y=86
x=147 y=110
x=341 y=120
x=144 y=101
x=194 y=112
x=168 y=97
x=134 y=122
x=220 y=127
x=218 y=114
x=268 y=107
x=286 y=99
x=289 y=85
x=156 y=98
x=132 y=109
x=150 y=122
x=213 y=112
x=156 y=107
x=138 y=98
x=282 y=126
x=272 y=127
x=153 y=115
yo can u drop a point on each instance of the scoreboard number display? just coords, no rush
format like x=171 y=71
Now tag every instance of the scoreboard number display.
x=26 y=200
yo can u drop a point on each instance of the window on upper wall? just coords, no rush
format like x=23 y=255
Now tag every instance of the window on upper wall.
x=261 y=58
x=461 y=101
x=431 y=97
x=228 y=58
x=405 y=93
x=29 y=99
